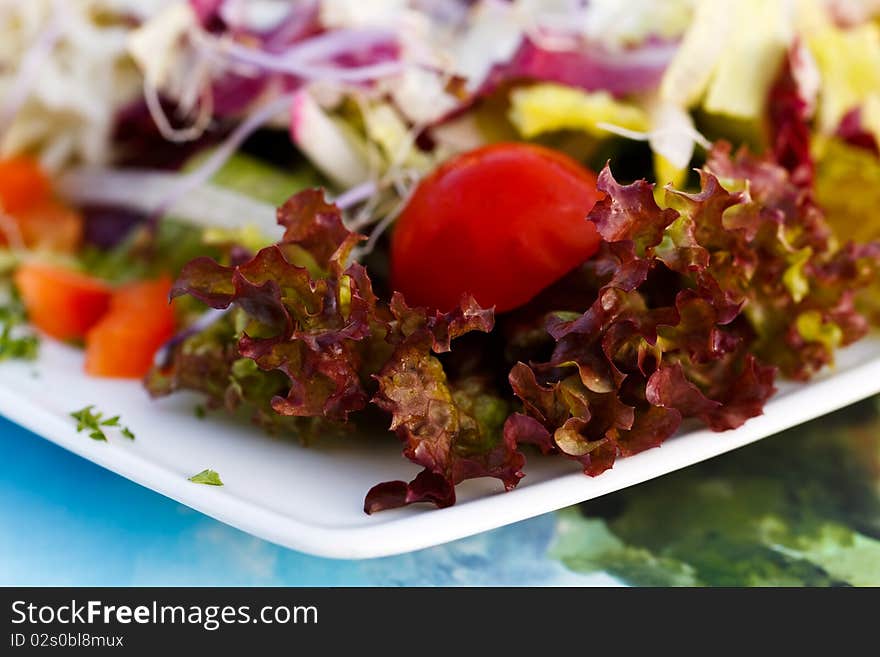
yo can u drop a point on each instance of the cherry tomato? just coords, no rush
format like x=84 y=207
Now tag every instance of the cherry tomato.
x=501 y=222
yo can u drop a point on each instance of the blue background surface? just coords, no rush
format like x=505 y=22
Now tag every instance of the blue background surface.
x=66 y=521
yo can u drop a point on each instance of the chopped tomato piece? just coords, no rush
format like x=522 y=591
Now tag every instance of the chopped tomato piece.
x=144 y=296
x=22 y=184
x=124 y=342
x=41 y=221
x=50 y=225
x=62 y=302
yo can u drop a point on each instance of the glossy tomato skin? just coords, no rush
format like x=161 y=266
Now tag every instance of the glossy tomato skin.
x=61 y=302
x=43 y=222
x=22 y=184
x=125 y=340
x=501 y=222
x=49 y=225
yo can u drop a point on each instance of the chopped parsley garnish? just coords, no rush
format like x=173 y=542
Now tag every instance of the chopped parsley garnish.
x=87 y=419
x=207 y=477
x=12 y=313
x=23 y=346
x=200 y=412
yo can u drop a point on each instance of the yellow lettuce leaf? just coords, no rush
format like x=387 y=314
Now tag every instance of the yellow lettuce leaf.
x=550 y=107
x=750 y=61
x=730 y=57
x=849 y=66
x=848 y=189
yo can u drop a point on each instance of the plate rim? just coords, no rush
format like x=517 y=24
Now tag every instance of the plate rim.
x=417 y=531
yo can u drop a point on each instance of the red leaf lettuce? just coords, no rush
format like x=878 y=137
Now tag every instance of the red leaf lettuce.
x=686 y=311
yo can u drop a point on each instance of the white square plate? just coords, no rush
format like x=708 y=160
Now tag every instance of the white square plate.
x=311 y=499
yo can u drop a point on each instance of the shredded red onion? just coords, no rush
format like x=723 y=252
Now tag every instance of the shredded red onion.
x=355 y=195
x=206 y=319
x=340 y=42
x=168 y=131
x=681 y=132
x=205 y=10
x=302 y=19
x=561 y=29
x=232 y=93
x=591 y=68
x=448 y=12
x=380 y=228
x=218 y=158
x=146 y=190
x=309 y=59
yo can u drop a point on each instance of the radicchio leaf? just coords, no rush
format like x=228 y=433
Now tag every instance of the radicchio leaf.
x=588 y=66
x=789 y=108
x=852 y=130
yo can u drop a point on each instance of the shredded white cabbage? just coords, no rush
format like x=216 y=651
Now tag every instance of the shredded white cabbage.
x=148 y=191
x=256 y=15
x=153 y=46
x=68 y=66
x=360 y=13
x=493 y=35
x=616 y=23
x=69 y=103
x=612 y=23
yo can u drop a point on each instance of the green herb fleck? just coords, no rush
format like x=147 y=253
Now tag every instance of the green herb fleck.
x=23 y=346
x=87 y=419
x=13 y=312
x=207 y=477
x=200 y=411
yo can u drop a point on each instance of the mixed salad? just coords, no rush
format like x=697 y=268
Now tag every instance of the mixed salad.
x=497 y=228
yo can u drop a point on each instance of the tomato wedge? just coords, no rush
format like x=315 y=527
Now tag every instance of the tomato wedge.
x=140 y=320
x=502 y=223
x=61 y=302
x=51 y=226
x=42 y=222
x=123 y=328
x=22 y=184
